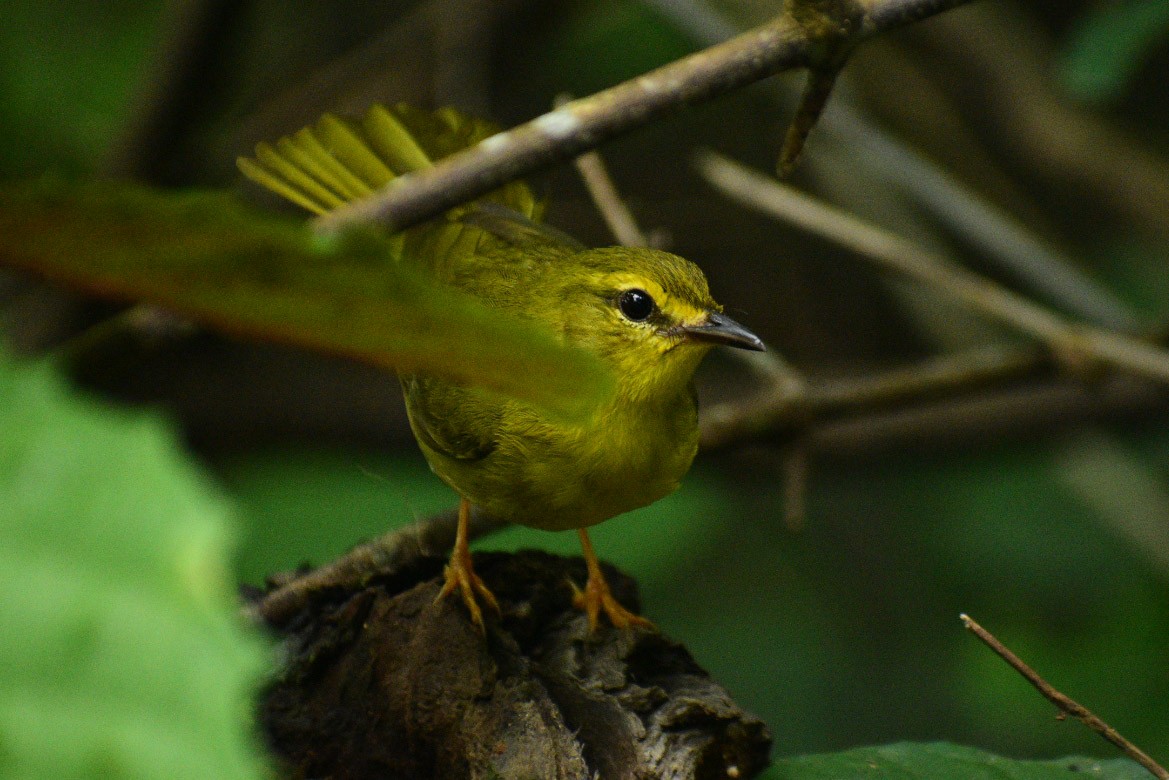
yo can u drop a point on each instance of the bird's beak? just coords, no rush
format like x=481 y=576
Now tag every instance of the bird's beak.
x=718 y=328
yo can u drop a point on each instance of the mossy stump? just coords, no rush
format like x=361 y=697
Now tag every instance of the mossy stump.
x=382 y=682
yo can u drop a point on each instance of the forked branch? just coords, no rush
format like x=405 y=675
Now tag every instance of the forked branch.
x=784 y=43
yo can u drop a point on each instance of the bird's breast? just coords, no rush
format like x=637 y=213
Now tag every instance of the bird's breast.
x=558 y=477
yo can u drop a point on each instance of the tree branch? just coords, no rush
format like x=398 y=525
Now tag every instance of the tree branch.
x=789 y=404
x=614 y=210
x=1072 y=343
x=583 y=124
x=1065 y=704
x=984 y=394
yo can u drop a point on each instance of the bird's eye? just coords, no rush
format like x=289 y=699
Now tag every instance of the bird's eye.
x=637 y=305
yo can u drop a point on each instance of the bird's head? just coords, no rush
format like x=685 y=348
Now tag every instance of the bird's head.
x=646 y=312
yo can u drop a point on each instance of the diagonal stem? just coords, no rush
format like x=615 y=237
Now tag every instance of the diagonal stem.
x=780 y=44
x=1065 y=704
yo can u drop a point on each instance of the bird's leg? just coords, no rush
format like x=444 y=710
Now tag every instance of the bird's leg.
x=597 y=596
x=461 y=575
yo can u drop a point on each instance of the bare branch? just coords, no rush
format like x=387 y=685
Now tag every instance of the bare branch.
x=993 y=415
x=616 y=213
x=1072 y=343
x=983 y=395
x=792 y=405
x=817 y=90
x=1065 y=704
x=584 y=124
x=614 y=210
x=1000 y=236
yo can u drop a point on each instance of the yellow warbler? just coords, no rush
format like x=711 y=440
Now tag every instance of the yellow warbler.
x=647 y=314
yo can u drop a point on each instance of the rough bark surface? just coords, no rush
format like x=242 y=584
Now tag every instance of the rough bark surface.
x=383 y=682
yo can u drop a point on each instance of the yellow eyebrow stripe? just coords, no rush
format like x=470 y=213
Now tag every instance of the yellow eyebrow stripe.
x=677 y=309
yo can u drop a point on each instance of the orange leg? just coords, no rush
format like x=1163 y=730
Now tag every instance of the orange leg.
x=461 y=575
x=597 y=596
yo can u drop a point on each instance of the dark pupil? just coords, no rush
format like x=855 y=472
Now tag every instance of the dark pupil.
x=636 y=304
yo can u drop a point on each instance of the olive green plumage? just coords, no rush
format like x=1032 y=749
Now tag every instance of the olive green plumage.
x=514 y=463
x=647 y=314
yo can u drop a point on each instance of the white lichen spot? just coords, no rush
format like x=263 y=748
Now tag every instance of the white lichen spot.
x=558 y=124
x=496 y=143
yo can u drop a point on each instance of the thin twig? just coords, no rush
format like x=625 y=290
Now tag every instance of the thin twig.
x=1071 y=342
x=612 y=207
x=984 y=394
x=1003 y=239
x=1065 y=704
x=833 y=22
x=960 y=372
x=812 y=102
x=614 y=211
x=991 y=416
x=583 y=124
x=791 y=405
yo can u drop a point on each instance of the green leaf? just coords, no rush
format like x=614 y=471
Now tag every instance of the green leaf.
x=211 y=258
x=1108 y=45
x=121 y=655
x=940 y=761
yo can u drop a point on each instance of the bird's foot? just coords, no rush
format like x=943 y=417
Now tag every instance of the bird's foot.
x=460 y=576
x=597 y=596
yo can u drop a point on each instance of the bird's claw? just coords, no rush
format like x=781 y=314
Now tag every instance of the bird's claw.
x=464 y=579
x=597 y=596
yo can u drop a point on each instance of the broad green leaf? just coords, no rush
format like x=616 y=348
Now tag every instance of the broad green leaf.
x=211 y=258
x=940 y=761
x=121 y=654
x=1108 y=45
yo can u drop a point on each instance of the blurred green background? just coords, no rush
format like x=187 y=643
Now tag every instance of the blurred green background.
x=1052 y=532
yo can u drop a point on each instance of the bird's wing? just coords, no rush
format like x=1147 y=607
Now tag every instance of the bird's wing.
x=516 y=229
x=446 y=423
x=336 y=161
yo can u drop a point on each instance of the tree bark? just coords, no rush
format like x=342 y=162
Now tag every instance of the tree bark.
x=381 y=681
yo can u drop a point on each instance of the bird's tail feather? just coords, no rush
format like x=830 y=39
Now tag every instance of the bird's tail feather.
x=338 y=160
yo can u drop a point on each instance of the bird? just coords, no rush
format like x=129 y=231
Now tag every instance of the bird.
x=647 y=314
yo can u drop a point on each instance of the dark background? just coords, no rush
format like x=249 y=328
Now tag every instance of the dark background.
x=1052 y=530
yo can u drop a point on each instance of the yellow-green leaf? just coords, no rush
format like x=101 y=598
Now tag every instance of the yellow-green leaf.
x=213 y=259
x=122 y=654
